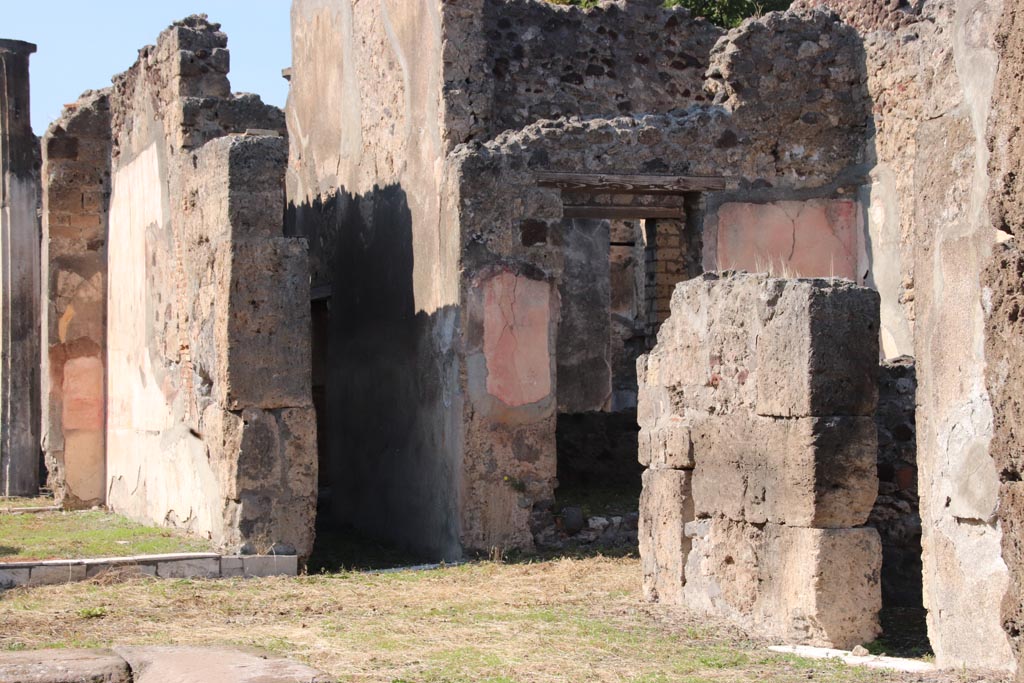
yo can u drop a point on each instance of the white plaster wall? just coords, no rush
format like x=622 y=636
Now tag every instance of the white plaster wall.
x=157 y=470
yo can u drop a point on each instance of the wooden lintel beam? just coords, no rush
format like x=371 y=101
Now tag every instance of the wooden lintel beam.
x=623 y=212
x=630 y=184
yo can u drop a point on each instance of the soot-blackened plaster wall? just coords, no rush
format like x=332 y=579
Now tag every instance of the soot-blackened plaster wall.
x=366 y=115
x=19 y=263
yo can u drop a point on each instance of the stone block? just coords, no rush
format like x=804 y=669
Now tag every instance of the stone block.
x=818 y=353
x=194 y=568
x=260 y=327
x=241 y=178
x=93 y=569
x=801 y=586
x=667 y=446
x=231 y=566
x=810 y=472
x=706 y=352
x=48 y=575
x=665 y=507
x=13 y=577
x=63 y=666
x=270 y=565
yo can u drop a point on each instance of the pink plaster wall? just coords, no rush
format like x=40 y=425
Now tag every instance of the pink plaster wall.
x=815 y=238
x=83 y=394
x=517 y=315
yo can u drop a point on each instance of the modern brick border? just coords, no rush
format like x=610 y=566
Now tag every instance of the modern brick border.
x=170 y=566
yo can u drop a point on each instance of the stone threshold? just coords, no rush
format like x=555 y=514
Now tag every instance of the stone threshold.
x=169 y=566
x=850 y=659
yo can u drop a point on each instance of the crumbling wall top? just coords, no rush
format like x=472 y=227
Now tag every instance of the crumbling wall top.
x=871 y=15
x=16 y=47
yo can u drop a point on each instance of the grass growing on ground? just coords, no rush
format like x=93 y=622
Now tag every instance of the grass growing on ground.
x=93 y=533
x=564 y=621
x=8 y=503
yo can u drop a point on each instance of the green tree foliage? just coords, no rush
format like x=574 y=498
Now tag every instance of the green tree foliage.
x=727 y=13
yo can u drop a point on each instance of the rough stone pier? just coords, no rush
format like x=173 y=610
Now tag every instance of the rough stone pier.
x=756 y=411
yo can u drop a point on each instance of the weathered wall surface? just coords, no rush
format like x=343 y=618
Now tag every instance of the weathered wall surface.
x=210 y=424
x=546 y=61
x=759 y=397
x=932 y=82
x=366 y=115
x=584 y=340
x=812 y=238
x=19 y=265
x=76 y=195
x=1004 y=296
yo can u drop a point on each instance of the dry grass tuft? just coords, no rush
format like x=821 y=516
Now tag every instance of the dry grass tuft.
x=562 y=621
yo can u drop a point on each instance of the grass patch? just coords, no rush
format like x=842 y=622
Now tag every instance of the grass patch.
x=10 y=503
x=92 y=533
x=562 y=621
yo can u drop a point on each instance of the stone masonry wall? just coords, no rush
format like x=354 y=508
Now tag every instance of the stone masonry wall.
x=76 y=180
x=210 y=424
x=756 y=412
x=19 y=264
x=633 y=56
x=1004 y=297
x=932 y=82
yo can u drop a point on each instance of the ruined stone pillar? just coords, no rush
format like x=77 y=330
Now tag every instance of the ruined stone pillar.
x=76 y=195
x=19 y=277
x=757 y=431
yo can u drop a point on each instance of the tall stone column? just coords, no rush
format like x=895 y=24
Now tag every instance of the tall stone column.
x=19 y=277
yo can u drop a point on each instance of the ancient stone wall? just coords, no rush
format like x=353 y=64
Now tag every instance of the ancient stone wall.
x=19 y=263
x=931 y=83
x=756 y=413
x=209 y=424
x=76 y=195
x=1003 y=278
x=547 y=61
x=366 y=115
x=509 y=230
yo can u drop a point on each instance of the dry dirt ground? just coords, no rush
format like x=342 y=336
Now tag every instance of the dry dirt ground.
x=565 y=621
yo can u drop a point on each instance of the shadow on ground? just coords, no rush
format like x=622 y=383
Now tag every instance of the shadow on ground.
x=904 y=633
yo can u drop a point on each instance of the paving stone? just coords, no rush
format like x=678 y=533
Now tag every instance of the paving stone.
x=63 y=666
x=172 y=664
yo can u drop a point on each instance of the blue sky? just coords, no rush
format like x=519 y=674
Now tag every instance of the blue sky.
x=82 y=44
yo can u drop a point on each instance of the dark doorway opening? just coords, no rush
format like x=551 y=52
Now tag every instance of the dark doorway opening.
x=618 y=277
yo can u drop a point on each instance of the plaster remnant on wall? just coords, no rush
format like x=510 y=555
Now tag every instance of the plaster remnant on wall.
x=517 y=312
x=816 y=238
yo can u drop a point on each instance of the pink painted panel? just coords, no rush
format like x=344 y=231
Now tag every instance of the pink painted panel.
x=83 y=394
x=815 y=238
x=517 y=317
